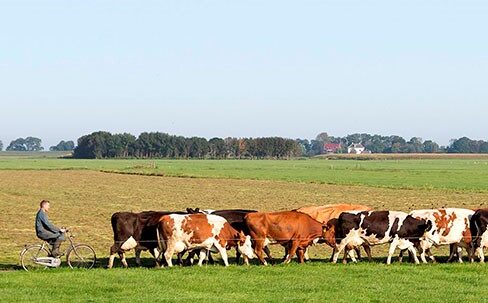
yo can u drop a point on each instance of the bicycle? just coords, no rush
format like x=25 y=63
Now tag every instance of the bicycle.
x=38 y=256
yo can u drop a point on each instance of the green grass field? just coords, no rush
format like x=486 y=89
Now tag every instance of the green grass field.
x=84 y=193
x=456 y=174
x=293 y=283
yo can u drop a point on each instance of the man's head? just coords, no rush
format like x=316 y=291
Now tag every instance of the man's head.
x=44 y=205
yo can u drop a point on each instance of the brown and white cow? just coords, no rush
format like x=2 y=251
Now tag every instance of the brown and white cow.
x=379 y=227
x=453 y=226
x=203 y=232
x=479 y=233
x=293 y=230
x=328 y=215
x=136 y=231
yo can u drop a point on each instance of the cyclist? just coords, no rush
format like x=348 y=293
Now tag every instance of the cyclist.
x=47 y=231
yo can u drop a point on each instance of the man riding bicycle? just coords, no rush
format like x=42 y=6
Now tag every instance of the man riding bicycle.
x=47 y=231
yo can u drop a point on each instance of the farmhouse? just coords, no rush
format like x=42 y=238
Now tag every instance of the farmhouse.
x=356 y=148
x=332 y=148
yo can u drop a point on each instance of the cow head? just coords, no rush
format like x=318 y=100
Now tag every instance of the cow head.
x=244 y=245
x=193 y=211
x=329 y=232
x=431 y=233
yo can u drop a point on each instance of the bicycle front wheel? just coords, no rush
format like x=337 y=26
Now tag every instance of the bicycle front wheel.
x=30 y=255
x=81 y=256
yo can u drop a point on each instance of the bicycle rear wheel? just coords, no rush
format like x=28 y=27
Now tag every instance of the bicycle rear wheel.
x=29 y=256
x=81 y=256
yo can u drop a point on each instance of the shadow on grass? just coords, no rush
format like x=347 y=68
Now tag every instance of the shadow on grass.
x=149 y=262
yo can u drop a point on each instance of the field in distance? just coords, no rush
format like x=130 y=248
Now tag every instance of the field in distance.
x=464 y=172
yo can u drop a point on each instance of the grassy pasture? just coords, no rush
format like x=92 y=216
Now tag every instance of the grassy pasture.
x=84 y=197
x=315 y=282
x=453 y=174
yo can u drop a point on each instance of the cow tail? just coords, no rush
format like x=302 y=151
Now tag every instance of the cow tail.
x=161 y=244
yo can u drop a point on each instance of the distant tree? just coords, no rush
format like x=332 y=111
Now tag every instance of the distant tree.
x=316 y=147
x=484 y=147
x=323 y=137
x=430 y=146
x=63 y=146
x=1 y=145
x=17 y=145
x=33 y=144
x=217 y=148
x=461 y=145
x=305 y=146
x=27 y=144
x=93 y=146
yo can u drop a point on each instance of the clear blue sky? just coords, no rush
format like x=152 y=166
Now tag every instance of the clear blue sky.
x=244 y=68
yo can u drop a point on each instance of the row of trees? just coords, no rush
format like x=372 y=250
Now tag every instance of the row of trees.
x=161 y=145
x=35 y=144
x=393 y=144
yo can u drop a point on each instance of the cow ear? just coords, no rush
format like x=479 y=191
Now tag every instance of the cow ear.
x=429 y=225
x=242 y=237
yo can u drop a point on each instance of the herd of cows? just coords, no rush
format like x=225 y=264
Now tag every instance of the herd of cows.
x=344 y=227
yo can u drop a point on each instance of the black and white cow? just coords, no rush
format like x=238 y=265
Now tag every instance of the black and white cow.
x=136 y=231
x=479 y=233
x=379 y=227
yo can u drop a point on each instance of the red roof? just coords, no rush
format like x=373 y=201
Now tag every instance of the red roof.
x=332 y=146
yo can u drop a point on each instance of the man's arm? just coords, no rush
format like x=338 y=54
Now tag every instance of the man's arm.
x=48 y=225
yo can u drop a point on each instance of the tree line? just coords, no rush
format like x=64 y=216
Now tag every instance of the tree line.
x=161 y=145
x=392 y=144
x=35 y=144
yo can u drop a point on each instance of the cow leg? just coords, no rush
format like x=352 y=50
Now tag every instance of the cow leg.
x=113 y=251
x=292 y=251
x=422 y=255
x=223 y=255
x=332 y=256
x=350 y=253
x=391 y=250
x=155 y=254
x=400 y=256
x=358 y=252
x=338 y=251
x=367 y=249
x=301 y=255
x=413 y=251
x=480 y=254
x=202 y=256
x=180 y=258
x=168 y=255
x=430 y=255
x=122 y=258
x=189 y=260
x=460 y=253
x=209 y=258
x=238 y=256
x=258 y=250
x=452 y=252
x=267 y=252
x=305 y=255
x=138 y=257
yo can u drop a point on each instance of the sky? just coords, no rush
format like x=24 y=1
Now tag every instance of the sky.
x=243 y=68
